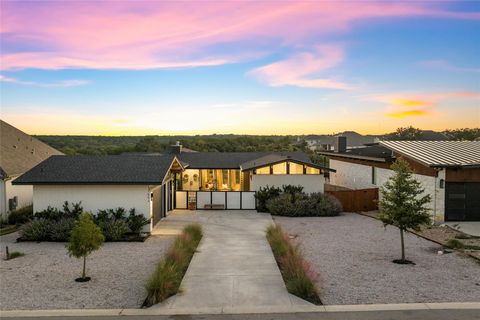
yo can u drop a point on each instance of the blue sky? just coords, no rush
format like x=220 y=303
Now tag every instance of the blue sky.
x=226 y=67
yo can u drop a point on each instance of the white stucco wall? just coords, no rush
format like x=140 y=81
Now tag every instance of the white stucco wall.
x=310 y=182
x=95 y=197
x=3 y=207
x=24 y=194
x=358 y=176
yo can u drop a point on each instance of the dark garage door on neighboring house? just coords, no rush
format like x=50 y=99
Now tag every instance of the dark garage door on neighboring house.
x=462 y=201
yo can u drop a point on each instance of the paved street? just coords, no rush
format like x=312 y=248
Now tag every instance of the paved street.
x=472 y=314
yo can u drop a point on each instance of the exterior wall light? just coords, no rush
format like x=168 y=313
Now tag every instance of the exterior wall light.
x=442 y=183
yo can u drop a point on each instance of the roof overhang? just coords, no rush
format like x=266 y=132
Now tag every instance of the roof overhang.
x=310 y=164
x=352 y=156
x=431 y=165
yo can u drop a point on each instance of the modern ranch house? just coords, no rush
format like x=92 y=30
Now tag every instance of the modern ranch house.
x=155 y=184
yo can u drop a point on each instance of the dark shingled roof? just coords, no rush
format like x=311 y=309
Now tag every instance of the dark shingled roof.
x=20 y=152
x=230 y=160
x=137 y=169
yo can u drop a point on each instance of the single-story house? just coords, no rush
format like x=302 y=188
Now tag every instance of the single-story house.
x=19 y=152
x=448 y=170
x=158 y=183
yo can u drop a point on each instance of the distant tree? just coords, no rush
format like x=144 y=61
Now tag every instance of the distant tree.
x=85 y=238
x=403 y=203
x=469 y=134
x=405 y=133
x=149 y=144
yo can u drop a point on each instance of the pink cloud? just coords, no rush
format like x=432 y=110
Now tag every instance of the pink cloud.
x=154 y=34
x=300 y=69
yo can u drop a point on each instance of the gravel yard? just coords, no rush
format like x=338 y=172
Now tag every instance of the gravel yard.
x=353 y=255
x=44 y=277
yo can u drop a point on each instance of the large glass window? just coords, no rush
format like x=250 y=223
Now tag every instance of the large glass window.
x=263 y=170
x=280 y=168
x=296 y=168
x=207 y=179
x=222 y=180
x=311 y=170
x=235 y=181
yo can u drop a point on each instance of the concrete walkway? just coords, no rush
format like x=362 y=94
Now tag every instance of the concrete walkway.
x=234 y=265
x=469 y=227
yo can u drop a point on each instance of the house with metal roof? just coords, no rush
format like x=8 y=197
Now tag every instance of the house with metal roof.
x=19 y=152
x=448 y=170
x=155 y=184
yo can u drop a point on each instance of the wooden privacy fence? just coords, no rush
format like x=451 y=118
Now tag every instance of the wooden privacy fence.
x=357 y=200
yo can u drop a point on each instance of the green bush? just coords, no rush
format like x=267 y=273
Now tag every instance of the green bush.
x=298 y=274
x=114 y=230
x=284 y=205
x=304 y=205
x=21 y=216
x=165 y=280
x=60 y=230
x=15 y=254
x=263 y=195
x=36 y=230
x=136 y=221
x=456 y=244
x=322 y=204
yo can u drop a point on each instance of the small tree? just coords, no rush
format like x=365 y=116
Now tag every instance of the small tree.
x=403 y=203
x=85 y=238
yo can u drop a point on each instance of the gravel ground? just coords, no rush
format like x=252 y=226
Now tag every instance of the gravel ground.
x=44 y=277
x=353 y=255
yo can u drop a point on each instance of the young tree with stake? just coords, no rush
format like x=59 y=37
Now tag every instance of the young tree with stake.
x=403 y=202
x=85 y=238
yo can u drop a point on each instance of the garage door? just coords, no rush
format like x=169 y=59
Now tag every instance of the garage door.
x=462 y=201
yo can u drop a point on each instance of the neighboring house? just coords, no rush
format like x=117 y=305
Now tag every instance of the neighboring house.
x=19 y=152
x=328 y=142
x=156 y=184
x=448 y=170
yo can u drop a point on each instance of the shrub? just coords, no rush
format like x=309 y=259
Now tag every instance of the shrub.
x=298 y=275
x=74 y=212
x=283 y=205
x=456 y=244
x=136 y=221
x=86 y=237
x=165 y=280
x=319 y=204
x=293 y=190
x=3 y=221
x=112 y=214
x=195 y=231
x=304 y=205
x=21 y=216
x=60 y=230
x=36 y=230
x=263 y=195
x=163 y=283
x=114 y=230
x=14 y=254
x=49 y=214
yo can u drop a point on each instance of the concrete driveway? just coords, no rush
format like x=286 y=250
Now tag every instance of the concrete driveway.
x=234 y=265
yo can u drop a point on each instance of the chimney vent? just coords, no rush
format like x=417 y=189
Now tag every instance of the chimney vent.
x=341 y=144
x=176 y=148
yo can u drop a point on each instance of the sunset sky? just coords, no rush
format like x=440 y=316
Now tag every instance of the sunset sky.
x=254 y=67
